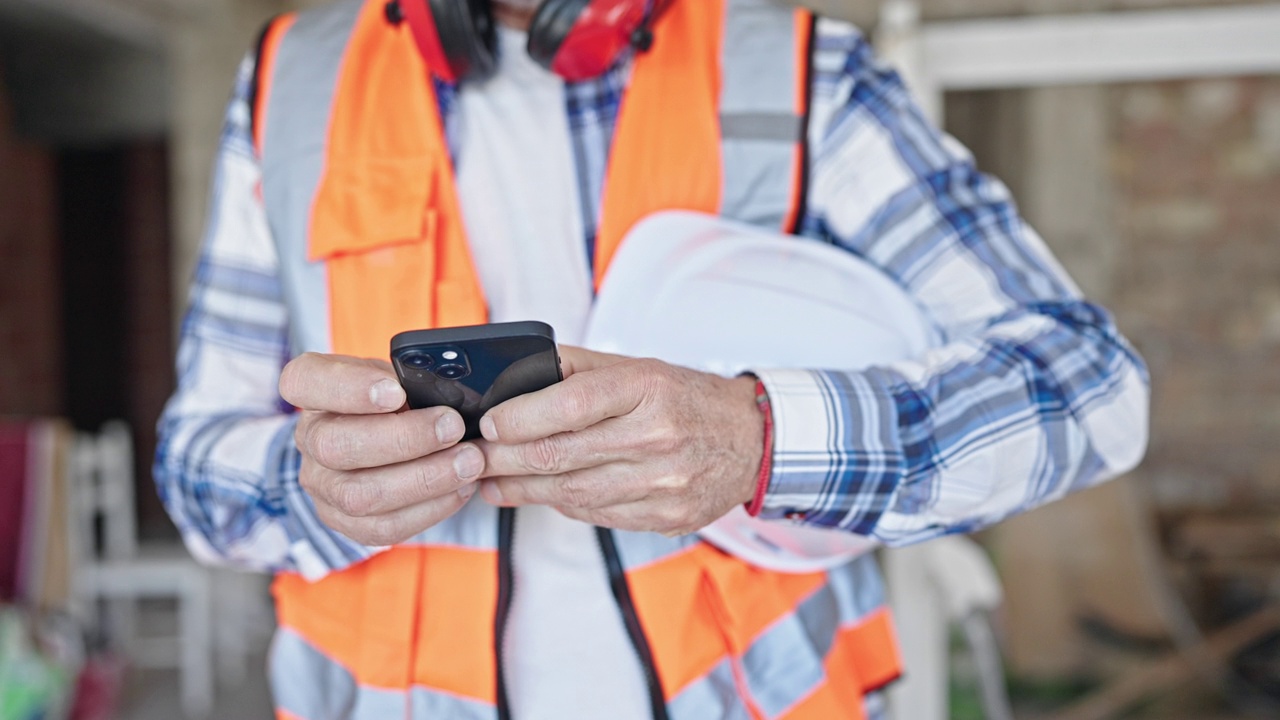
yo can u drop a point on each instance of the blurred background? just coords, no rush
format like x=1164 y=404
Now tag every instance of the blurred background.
x=1142 y=138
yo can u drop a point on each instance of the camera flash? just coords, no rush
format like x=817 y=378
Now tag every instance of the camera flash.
x=449 y=355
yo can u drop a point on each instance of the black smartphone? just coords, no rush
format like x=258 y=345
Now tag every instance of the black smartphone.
x=473 y=369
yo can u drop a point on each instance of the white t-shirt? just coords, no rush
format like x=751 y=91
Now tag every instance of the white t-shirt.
x=567 y=652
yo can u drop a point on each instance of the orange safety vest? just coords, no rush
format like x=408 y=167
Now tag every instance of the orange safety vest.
x=414 y=631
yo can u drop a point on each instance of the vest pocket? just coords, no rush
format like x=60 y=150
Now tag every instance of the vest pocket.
x=377 y=235
x=393 y=244
x=378 y=292
x=371 y=204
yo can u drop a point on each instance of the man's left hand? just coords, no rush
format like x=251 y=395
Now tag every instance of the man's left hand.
x=628 y=444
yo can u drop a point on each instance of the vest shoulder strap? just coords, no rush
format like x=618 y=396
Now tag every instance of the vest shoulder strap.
x=298 y=73
x=265 y=52
x=765 y=99
x=311 y=38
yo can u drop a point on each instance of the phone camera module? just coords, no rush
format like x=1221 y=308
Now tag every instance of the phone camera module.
x=451 y=372
x=417 y=361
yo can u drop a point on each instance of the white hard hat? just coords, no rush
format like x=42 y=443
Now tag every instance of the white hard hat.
x=707 y=293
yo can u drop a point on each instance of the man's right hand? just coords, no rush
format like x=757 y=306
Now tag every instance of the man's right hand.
x=378 y=473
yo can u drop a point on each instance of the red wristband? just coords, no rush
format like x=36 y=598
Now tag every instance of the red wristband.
x=766 y=460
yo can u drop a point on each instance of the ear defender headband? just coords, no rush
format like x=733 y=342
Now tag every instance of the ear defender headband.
x=576 y=39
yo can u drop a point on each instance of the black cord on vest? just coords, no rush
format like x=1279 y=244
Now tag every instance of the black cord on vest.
x=255 y=85
x=642 y=37
x=394 y=13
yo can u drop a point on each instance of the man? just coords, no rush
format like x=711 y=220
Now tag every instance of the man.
x=391 y=168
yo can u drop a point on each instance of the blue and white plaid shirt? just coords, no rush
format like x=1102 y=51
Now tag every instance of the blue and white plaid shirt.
x=1034 y=393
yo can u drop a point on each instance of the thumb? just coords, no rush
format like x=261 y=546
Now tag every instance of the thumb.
x=340 y=384
x=574 y=360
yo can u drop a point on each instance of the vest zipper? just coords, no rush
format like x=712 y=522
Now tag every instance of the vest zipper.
x=630 y=618
x=506 y=533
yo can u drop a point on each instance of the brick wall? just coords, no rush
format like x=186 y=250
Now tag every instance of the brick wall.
x=36 y=303
x=30 y=329
x=148 y=325
x=1163 y=200
x=1196 y=168
x=115 y=240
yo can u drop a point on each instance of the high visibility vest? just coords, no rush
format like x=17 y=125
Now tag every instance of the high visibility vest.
x=360 y=196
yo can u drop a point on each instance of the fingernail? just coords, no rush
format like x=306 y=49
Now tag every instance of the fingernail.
x=491 y=493
x=468 y=463
x=449 y=428
x=467 y=491
x=489 y=429
x=387 y=394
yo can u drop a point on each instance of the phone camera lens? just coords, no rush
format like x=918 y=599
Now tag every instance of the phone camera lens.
x=418 y=361
x=451 y=372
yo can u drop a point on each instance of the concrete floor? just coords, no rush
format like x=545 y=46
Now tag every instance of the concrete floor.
x=153 y=695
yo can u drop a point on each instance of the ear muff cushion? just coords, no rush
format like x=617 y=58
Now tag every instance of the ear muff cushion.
x=550 y=26
x=467 y=36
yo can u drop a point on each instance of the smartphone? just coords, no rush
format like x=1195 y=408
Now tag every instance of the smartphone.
x=474 y=369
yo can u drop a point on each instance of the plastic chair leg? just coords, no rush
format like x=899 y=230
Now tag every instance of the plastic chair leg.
x=197 y=648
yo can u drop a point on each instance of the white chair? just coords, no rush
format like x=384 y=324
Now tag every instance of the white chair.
x=933 y=587
x=120 y=571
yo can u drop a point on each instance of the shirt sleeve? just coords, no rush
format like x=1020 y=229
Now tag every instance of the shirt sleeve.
x=1033 y=392
x=227 y=464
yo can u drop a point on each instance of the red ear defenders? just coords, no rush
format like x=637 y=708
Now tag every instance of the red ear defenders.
x=576 y=39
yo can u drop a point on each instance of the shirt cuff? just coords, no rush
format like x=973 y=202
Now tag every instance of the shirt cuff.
x=837 y=459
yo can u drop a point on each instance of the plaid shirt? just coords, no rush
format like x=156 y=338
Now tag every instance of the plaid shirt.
x=1033 y=394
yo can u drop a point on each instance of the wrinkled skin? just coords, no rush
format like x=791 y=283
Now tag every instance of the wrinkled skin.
x=627 y=444
x=622 y=443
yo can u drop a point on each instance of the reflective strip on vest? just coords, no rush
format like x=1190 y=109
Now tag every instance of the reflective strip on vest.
x=762 y=107
x=716 y=695
x=307 y=685
x=295 y=132
x=780 y=669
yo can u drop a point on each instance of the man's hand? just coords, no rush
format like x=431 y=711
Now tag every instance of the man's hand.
x=627 y=444
x=378 y=473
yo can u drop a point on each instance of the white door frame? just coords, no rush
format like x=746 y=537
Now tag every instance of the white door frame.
x=1045 y=50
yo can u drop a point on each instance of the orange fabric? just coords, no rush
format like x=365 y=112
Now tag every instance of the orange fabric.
x=867 y=654
x=702 y=604
x=386 y=216
x=666 y=150
x=680 y=623
x=283 y=715
x=361 y=618
x=266 y=72
x=458 y=596
x=839 y=697
x=872 y=647
x=369 y=619
x=804 y=41
x=753 y=599
x=863 y=658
